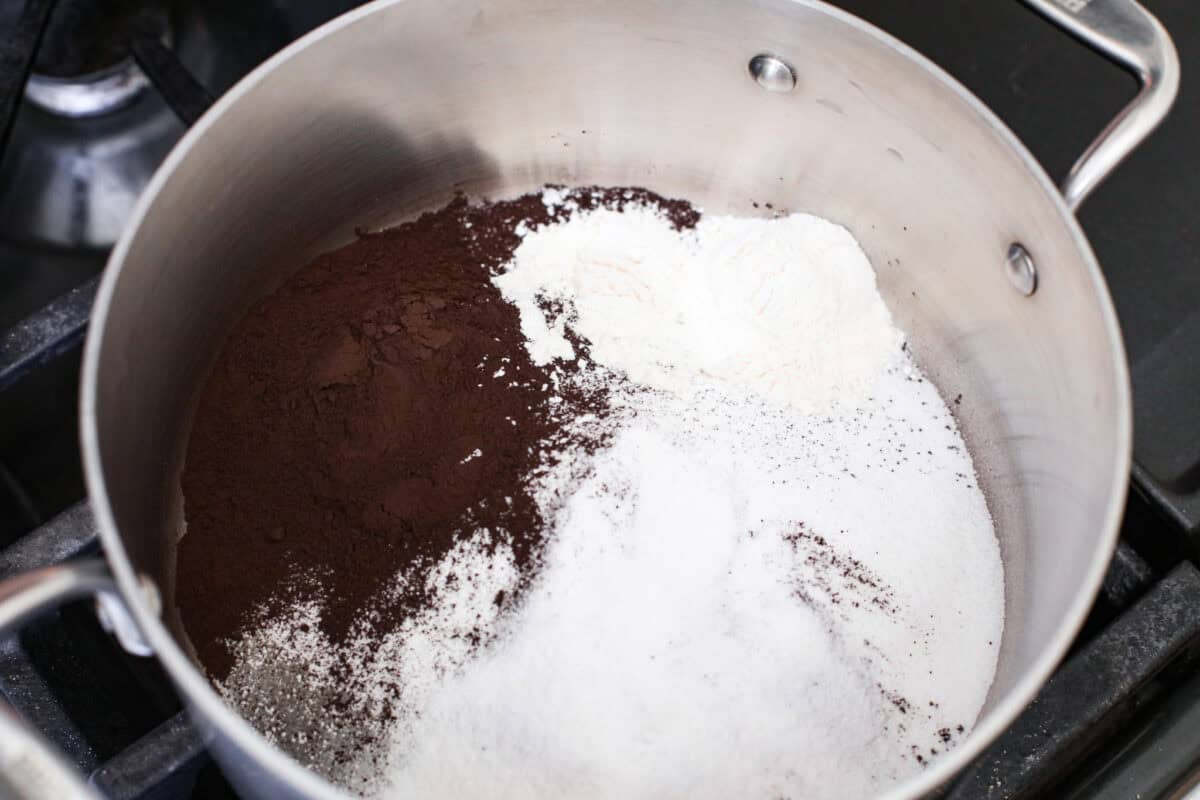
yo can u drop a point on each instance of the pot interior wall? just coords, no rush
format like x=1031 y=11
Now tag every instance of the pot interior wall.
x=395 y=111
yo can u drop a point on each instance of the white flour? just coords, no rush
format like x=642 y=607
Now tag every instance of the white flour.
x=778 y=580
x=783 y=308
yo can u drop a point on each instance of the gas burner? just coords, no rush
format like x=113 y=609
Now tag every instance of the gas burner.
x=113 y=86
x=88 y=95
x=91 y=131
x=72 y=179
x=84 y=67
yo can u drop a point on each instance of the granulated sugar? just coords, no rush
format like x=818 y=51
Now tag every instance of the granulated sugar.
x=777 y=578
x=725 y=613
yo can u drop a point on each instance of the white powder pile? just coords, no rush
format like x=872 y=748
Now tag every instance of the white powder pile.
x=779 y=579
x=783 y=308
x=287 y=672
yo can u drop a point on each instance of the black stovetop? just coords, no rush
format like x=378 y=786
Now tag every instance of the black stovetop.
x=1120 y=718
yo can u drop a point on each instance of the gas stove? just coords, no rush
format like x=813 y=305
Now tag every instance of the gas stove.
x=92 y=97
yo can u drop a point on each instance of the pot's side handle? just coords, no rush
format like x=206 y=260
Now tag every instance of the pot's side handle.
x=1131 y=36
x=29 y=768
x=25 y=596
x=29 y=594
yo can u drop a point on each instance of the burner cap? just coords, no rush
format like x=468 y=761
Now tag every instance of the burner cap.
x=83 y=67
x=88 y=95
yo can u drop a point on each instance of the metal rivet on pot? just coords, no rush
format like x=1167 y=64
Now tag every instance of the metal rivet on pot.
x=773 y=73
x=150 y=594
x=1022 y=273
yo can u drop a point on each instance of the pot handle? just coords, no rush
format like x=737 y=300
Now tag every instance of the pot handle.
x=1131 y=36
x=29 y=594
x=29 y=768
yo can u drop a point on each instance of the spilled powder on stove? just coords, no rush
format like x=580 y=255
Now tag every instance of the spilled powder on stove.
x=778 y=579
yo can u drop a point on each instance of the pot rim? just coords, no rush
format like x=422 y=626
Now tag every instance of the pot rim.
x=216 y=713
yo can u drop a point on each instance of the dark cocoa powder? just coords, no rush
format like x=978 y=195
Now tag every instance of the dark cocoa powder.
x=330 y=445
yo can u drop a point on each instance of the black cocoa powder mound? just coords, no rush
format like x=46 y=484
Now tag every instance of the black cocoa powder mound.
x=332 y=437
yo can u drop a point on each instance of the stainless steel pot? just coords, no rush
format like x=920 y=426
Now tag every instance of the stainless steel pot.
x=389 y=109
